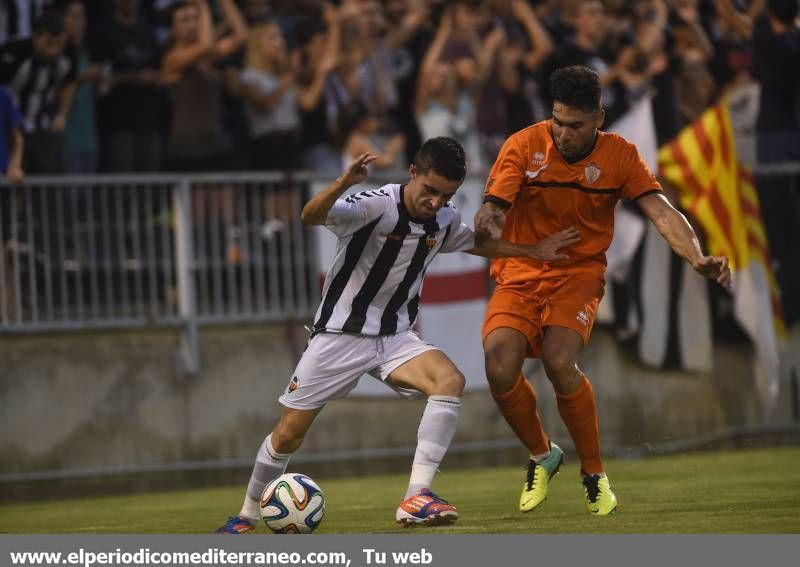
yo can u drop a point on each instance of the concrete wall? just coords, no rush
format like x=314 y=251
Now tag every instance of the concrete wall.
x=115 y=399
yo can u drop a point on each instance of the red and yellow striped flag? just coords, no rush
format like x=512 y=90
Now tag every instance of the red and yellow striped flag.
x=719 y=192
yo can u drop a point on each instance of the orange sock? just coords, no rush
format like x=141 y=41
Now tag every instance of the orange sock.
x=579 y=412
x=518 y=406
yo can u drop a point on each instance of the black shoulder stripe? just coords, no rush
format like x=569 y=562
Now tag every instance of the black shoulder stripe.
x=366 y=194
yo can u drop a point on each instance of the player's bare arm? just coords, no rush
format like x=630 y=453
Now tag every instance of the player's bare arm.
x=316 y=210
x=490 y=220
x=677 y=231
x=548 y=249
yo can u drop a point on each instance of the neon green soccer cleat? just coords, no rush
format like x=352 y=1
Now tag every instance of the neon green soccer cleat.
x=534 y=491
x=600 y=499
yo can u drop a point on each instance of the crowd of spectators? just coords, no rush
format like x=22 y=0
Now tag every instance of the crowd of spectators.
x=160 y=85
x=128 y=86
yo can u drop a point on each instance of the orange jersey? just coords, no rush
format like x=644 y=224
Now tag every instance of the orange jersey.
x=547 y=194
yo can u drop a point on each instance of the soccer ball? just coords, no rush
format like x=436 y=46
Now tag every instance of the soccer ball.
x=292 y=504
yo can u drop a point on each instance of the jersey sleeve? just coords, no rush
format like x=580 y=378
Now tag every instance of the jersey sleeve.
x=639 y=180
x=352 y=212
x=508 y=173
x=460 y=237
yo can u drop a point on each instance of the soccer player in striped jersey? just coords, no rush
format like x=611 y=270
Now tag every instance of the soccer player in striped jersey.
x=386 y=240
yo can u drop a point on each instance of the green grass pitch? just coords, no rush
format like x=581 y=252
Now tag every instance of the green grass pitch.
x=734 y=491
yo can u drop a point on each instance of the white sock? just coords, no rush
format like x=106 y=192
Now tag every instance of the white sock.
x=436 y=430
x=540 y=457
x=269 y=465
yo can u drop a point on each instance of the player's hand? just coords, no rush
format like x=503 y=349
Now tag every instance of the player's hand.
x=357 y=172
x=547 y=249
x=489 y=221
x=716 y=268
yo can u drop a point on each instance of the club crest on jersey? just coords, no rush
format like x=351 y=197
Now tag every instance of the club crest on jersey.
x=293 y=383
x=592 y=173
x=430 y=240
x=538 y=158
x=583 y=317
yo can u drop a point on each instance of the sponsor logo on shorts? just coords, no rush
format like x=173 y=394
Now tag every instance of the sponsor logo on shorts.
x=293 y=384
x=583 y=317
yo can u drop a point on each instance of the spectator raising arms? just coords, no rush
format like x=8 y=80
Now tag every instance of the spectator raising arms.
x=315 y=58
x=197 y=138
x=453 y=72
x=278 y=86
x=269 y=89
x=442 y=107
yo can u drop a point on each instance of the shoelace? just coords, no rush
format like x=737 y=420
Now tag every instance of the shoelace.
x=435 y=498
x=531 y=474
x=591 y=482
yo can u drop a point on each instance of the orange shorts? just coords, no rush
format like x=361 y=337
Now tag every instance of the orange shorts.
x=529 y=307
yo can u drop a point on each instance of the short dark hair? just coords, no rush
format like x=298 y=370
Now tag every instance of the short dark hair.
x=50 y=22
x=576 y=86
x=444 y=156
x=784 y=10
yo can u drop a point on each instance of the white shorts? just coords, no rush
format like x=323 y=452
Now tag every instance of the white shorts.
x=332 y=365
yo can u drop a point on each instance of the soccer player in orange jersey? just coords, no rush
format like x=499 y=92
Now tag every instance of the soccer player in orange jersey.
x=553 y=175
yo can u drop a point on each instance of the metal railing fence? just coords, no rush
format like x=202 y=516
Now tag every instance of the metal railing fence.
x=105 y=251
x=121 y=251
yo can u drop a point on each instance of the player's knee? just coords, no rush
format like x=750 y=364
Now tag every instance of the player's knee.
x=449 y=383
x=500 y=369
x=558 y=364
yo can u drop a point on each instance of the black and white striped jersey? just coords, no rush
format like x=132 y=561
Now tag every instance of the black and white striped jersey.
x=35 y=84
x=373 y=286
